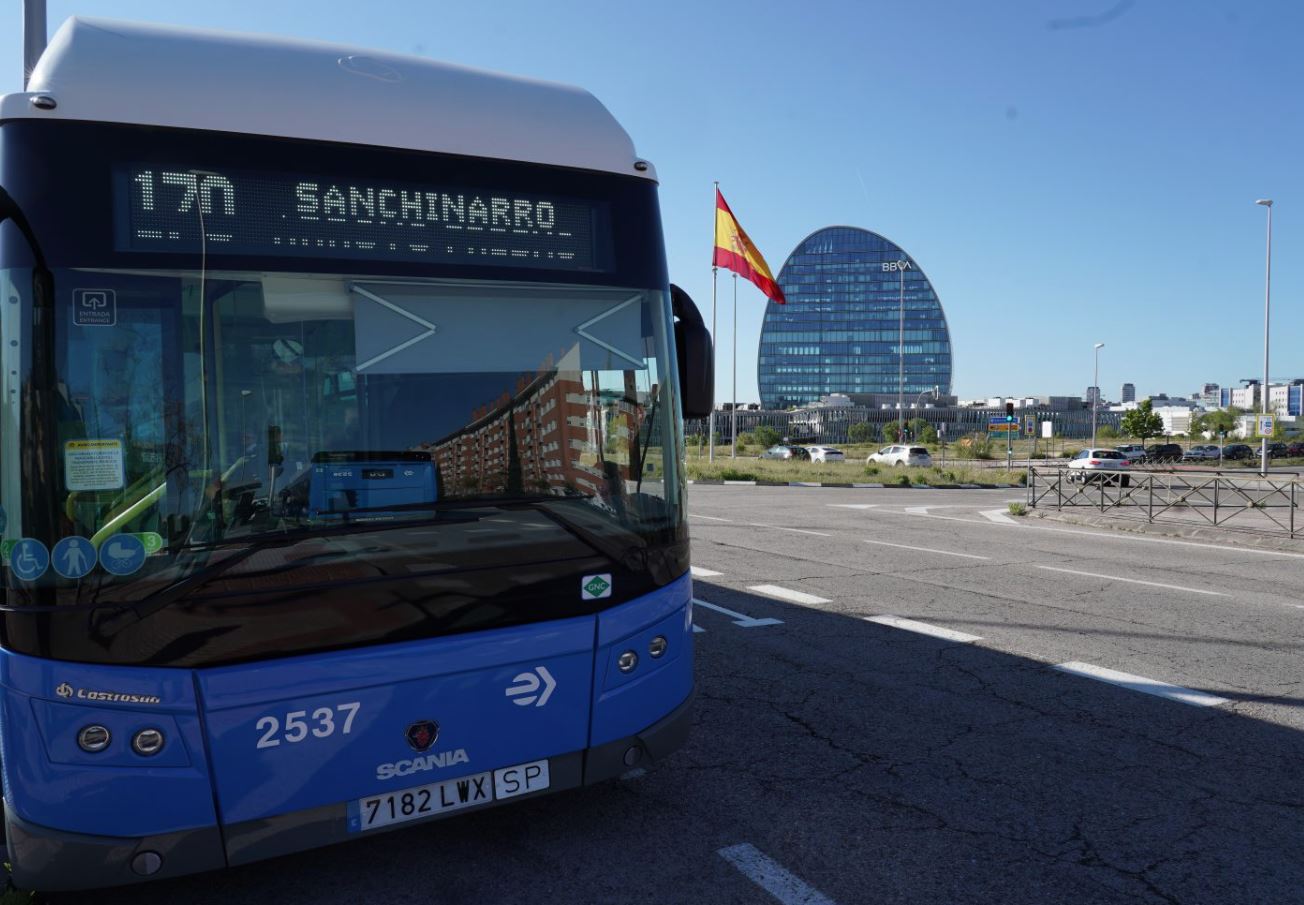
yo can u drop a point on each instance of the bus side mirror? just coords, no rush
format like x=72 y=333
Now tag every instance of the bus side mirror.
x=696 y=360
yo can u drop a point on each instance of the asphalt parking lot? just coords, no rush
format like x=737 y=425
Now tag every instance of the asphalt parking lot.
x=906 y=696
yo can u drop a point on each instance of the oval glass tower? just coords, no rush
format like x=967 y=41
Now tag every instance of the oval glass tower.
x=843 y=329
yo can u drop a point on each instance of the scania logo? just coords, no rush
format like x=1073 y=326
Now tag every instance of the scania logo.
x=64 y=690
x=422 y=734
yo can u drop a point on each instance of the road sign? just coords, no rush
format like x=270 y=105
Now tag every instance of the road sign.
x=1029 y=426
x=1266 y=425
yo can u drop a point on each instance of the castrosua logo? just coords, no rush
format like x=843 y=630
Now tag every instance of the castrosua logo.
x=595 y=587
x=64 y=690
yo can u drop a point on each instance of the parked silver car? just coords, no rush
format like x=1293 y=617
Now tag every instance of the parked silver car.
x=899 y=456
x=825 y=454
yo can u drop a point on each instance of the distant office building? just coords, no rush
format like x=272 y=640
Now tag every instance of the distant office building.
x=1127 y=393
x=1245 y=398
x=1286 y=400
x=1210 y=396
x=1092 y=396
x=842 y=328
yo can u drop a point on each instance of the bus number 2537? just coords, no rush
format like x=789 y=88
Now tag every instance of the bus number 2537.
x=297 y=724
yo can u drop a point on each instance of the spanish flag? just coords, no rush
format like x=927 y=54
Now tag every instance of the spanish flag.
x=734 y=251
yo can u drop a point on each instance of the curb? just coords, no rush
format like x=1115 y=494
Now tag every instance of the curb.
x=717 y=482
x=1169 y=529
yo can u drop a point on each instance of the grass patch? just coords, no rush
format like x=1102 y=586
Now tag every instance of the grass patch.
x=849 y=472
x=1017 y=509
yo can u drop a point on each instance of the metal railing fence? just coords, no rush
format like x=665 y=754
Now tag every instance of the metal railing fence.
x=1263 y=504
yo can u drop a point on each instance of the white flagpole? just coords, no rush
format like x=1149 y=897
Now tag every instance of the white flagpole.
x=733 y=429
x=710 y=427
x=710 y=424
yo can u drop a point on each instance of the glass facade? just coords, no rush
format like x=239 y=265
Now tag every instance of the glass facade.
x=842 y=330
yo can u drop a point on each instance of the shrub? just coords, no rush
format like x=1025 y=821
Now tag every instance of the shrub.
x=736 y=474
x=901 y=480
x=1017 y=509
x=765 y=436
x=861 y=432
x=974 y=446
x=871 y=470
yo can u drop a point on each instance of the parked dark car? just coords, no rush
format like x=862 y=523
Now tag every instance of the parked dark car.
x=784 y=451
x=1277 y=450
x=1163 y=453
x=1295 y=450
x=1237 y=451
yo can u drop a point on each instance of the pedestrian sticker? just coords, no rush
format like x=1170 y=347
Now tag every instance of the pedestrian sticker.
x=94 y=307
x=29 y=559
x=92 y=464
x=122 y=554
x=595 y=587
x=73 y=557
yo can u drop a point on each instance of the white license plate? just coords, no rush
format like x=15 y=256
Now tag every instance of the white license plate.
x=448 y=795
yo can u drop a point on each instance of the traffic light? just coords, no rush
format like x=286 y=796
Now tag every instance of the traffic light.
x=1009 y=413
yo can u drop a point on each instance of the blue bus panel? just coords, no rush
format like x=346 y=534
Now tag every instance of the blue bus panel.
x=293 y=753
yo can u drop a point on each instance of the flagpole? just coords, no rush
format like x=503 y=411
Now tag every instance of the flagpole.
x=715 y=270
x=733 y=428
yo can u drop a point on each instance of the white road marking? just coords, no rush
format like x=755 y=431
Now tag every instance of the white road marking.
x=699 y=572
x=636 y=773
x=1152 y=584
x=998 y=516
x=883 y=543
x=709 y=518
x=923 y=628
x=773 y=590
x=742 y=620
x=918 y=510
x=1121 y=536
x=851 y=505
x=793 y=530
x=697 y=629
x=1141 y=684
x=772 y=876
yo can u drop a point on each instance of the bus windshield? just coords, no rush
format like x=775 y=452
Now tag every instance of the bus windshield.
x=223 y=437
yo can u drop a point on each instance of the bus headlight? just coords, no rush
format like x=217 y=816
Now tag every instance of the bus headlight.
x=93 y=739
x=657 y=646
x=147 y=742
x=627 y=661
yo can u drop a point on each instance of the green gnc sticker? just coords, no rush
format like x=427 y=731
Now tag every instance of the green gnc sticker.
x=152 y=540
x=7 y=547
x=595 y=587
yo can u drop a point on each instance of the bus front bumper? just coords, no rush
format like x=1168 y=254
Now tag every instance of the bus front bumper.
x=48 y=859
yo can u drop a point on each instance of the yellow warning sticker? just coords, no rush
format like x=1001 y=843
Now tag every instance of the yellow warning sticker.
x=92 y=464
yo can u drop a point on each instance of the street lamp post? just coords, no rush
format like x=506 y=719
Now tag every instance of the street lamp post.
x=1095 y=398
x=1267 y=307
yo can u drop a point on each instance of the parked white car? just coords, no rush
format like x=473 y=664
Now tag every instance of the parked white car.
x=898 y=456
x=1105 y=465
x=826 y=454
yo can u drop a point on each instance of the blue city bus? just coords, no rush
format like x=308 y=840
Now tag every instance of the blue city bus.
x=341 y=453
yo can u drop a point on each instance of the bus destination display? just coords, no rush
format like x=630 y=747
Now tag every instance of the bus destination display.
x=172 y=209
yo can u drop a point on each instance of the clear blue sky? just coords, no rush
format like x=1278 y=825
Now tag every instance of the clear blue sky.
x=1065 y=172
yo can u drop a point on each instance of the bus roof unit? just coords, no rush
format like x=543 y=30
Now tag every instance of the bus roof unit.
x=108 y=71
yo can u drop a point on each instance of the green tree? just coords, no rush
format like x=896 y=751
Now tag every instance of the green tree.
x=1214 y=423
x=1142 y=422
x=921 y=431
x=892 y=431
x=860 y=432
x=766 y=436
